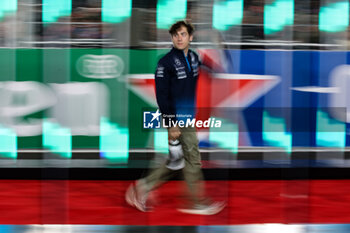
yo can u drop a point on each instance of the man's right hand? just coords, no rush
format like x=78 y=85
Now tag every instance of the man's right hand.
x=174 y=132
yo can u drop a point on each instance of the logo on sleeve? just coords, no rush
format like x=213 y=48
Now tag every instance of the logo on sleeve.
x=160 y=71
x=177 y=62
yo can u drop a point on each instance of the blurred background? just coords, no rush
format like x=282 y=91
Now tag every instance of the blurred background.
x=78 y=74
x=77 y=78
x=235 y=24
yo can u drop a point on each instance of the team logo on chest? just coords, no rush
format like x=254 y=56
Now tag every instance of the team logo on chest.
x=180 y=69
x=177 y=62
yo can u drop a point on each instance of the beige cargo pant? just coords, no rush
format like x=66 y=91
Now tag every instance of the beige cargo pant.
x=192 y=172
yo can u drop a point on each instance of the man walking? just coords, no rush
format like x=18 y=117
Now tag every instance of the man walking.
x=176 y=82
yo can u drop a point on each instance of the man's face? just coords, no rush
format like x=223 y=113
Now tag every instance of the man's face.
x=181 y=40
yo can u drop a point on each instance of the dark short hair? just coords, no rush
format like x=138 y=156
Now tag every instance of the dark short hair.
x=176 y=26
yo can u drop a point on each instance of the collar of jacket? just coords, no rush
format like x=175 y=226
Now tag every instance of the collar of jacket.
x=179 y=51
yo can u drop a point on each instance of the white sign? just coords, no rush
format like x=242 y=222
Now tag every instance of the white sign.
x=100 y=66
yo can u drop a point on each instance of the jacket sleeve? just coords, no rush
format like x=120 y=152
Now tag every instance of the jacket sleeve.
x=162 y=80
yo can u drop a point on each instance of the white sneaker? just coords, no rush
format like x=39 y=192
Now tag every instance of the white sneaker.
x=201 y=209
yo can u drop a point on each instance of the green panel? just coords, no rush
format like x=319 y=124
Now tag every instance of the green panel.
x=56 y=65
x=34 y=142
x=145 y=61
x=126 y=108
x=141 y=62
x=138 y=136
x=76 y=76
x=29 y=68
x=29 y=65
x=8 y=64
x=85 y=142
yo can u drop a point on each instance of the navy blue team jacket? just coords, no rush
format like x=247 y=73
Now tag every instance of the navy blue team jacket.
x=176 y=83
